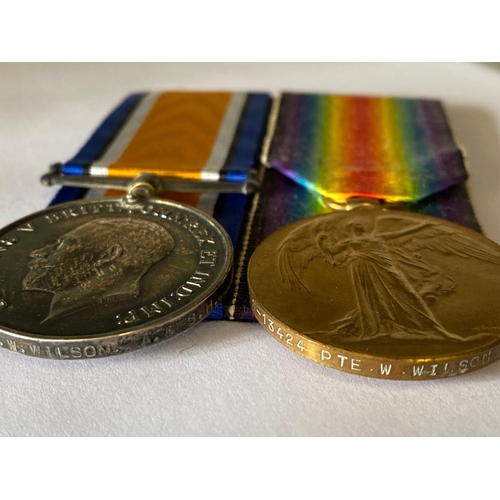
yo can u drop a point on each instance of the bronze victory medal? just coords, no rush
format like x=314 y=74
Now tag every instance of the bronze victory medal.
x=96 y=278
x=381 y=293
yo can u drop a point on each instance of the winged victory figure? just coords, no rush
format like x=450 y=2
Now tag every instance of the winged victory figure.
x=393 y=285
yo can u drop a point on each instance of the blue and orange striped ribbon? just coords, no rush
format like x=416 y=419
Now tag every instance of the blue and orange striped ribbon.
x=210 y=136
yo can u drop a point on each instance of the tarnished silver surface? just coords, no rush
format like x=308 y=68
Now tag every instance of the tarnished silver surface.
x=96 y=278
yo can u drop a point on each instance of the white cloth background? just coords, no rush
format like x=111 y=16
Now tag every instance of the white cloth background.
x=224 y=378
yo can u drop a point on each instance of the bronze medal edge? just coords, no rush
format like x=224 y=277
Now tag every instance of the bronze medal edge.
x=357 y=363
x=374 y=366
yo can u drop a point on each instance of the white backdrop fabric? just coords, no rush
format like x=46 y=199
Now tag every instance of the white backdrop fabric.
x=228 y=378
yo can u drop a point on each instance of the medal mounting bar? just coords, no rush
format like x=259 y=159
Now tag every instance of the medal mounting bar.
x=167 y=184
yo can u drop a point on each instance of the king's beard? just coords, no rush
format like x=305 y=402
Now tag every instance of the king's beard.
x=74 y=273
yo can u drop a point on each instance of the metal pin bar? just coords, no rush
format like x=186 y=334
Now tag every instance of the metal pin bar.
x=166 y=184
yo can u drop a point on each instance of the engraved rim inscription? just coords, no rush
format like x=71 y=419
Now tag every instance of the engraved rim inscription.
x=380 y=293
x=94 y=256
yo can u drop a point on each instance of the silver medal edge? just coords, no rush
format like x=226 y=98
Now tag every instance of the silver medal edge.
x=122 y=341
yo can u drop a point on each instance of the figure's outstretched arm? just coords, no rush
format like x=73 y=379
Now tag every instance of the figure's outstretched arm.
x=390 y=235
x=340 y=246
x=330 y=251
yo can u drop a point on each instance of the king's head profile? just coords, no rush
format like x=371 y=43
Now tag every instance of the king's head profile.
x=100 y=261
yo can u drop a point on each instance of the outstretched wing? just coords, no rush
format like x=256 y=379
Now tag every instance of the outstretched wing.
x=431 y=234
x=300 y=248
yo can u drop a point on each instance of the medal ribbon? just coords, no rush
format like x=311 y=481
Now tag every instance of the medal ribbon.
x=344 y=146
x=184 y=135
x=399 y=150
x=338 y=146
x=211 y=136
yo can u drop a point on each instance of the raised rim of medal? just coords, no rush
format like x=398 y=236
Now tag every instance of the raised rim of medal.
x=219 y=286
x=382 y=368
x=255 y=302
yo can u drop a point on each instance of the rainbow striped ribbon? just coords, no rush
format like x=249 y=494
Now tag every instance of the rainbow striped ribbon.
x=399 y=150
x=336 y=146
x=209 y=136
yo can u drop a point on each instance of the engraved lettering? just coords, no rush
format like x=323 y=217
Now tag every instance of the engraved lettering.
x=166 y=303
x=35 y=350
x=201 y=235
x=147 y=209
x=103 y=350
x=178 y=217
x=342 y=359
x=208 y=240
x=12 y=345
x=165 y=213
x=5 y=243
x=463 y=365
x=184 y=291
x=325 y=355
x=418 y=370
x=59 y=353
x=193 y=283
x=132 y=317
x=209 y=306
x=51 y=218
x=486 y=357
x=8 y=241
x=191 y=319
x=182 y=219
x=200 y=232
x=26 y=227
x=89 y=351
x=110 y=207
x=198 y=279
x=355 y=365
x=433 y=370
x=209 y=257
x=152 y=310
x=474 y=361
x=385 y=369
x=70 y=212
x=76 y=352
